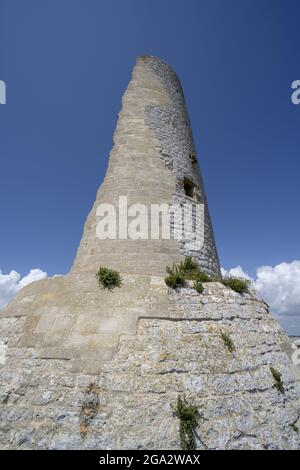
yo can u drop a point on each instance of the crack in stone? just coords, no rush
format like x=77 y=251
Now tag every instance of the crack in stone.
x=173 y=371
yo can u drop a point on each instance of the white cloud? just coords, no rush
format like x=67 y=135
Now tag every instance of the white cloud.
x=34 y=275
x=280 y=287
x=11 y=283
x=236 y=272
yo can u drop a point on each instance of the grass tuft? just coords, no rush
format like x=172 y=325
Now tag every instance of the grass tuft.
x=237 y=284
x=277 y=377
x=109 y=278
x=198 y=286
x=188 y=419
x=228 y=342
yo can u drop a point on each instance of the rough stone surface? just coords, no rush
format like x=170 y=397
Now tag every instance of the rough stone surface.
x=171 y=126
x=44 y=404
x=87 y=368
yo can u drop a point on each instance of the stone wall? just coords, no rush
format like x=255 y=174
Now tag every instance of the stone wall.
x=129 y=403
x=172 y=128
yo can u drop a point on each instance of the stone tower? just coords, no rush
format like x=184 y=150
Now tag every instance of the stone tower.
x=89 y=368
x=153 y=161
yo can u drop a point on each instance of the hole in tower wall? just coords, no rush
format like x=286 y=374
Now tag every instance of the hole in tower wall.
x=189 y=187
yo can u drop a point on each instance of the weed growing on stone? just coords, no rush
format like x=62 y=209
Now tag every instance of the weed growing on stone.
x=188 y=418
x=198 y=286
x=202 y=277
x=109 y=278
x=188 y=265
x=294 y=427
x=193 y=158
x=186 y=270
x=228 y=342
x=277 y=377
x=174 y=280
x=236 y=284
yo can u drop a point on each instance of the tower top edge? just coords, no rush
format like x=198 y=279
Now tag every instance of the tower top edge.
x=147 y=59
x=161 y=68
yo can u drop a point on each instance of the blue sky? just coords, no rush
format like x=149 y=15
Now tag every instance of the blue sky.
x=66 y=65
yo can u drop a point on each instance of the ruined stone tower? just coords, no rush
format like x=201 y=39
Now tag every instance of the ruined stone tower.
x=153 y=161
x=89 y=368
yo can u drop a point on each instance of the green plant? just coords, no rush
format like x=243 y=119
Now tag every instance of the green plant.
x=228 y=342
x=193 y=158
x=198 y=286
x=236 y=284
x=188 y=419
x=202 y=277
x=109 y=278
x=174 y=280
x=175 y=276
x=175 y=269
x=294 y=427
x=188 y=265
x=277 y=377
x=187 y=270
